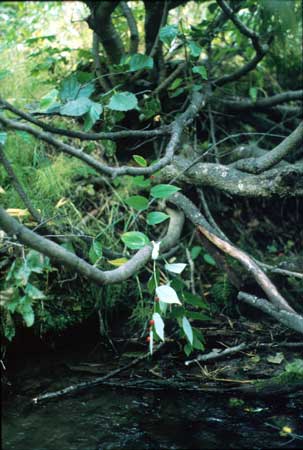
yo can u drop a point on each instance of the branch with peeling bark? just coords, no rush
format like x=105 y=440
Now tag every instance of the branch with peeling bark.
x=195 y=216
x=45 y=246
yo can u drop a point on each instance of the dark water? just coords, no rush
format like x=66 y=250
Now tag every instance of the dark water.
x=106 y=418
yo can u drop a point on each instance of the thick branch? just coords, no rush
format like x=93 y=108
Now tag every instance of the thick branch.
x=286 y=181
x=258 y=274
x=27 y=237
x=100 y=21
x=271 y=158
x=290 y=319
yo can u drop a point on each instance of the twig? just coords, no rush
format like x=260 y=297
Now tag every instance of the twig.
x=217 y=354
x=88 y=384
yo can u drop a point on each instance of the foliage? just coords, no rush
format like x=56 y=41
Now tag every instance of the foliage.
x=52 y=75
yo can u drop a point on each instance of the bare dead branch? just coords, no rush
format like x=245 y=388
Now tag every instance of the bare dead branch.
x=261 y=278
x=218 y=354
x=194 y=215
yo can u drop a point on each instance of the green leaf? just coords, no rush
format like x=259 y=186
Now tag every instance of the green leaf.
x=197 y=315
x=33 y=292
x=27 y=314
x=197 y=344
x=140 y=160
x=201 y=70
x=3 y=137
x=163 y=190
x=134 y=239
x=195 y=251
x=22 y=274
x=175 y=84
x=176 y=92
x=86 y=90
x=140 y=181
x=9 y=326
x=123 y=101
x=187 y=330
x=155 y=217
x=48 y=100
x=209 y=259
x=168 y=34
x=95 y=252
x=159 y=325
x=194 y=48
x=36 y=261
x=187 y=349
x=76 y=108
x=70 y=88
x=194 y=300
x=92 y=115
x=139 y=61
x=137 y=202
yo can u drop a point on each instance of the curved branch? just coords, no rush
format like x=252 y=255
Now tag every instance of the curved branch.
x=273 y=157
x=24 y=235
x=177 y=128
x=252 y=35
x=115 y=135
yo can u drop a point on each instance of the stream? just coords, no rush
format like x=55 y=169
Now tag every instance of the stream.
x=107 y=418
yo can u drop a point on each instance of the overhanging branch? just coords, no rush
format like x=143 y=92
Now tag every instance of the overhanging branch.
x=45 y=246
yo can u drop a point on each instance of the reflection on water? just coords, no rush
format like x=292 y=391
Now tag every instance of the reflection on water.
x=104 y=419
